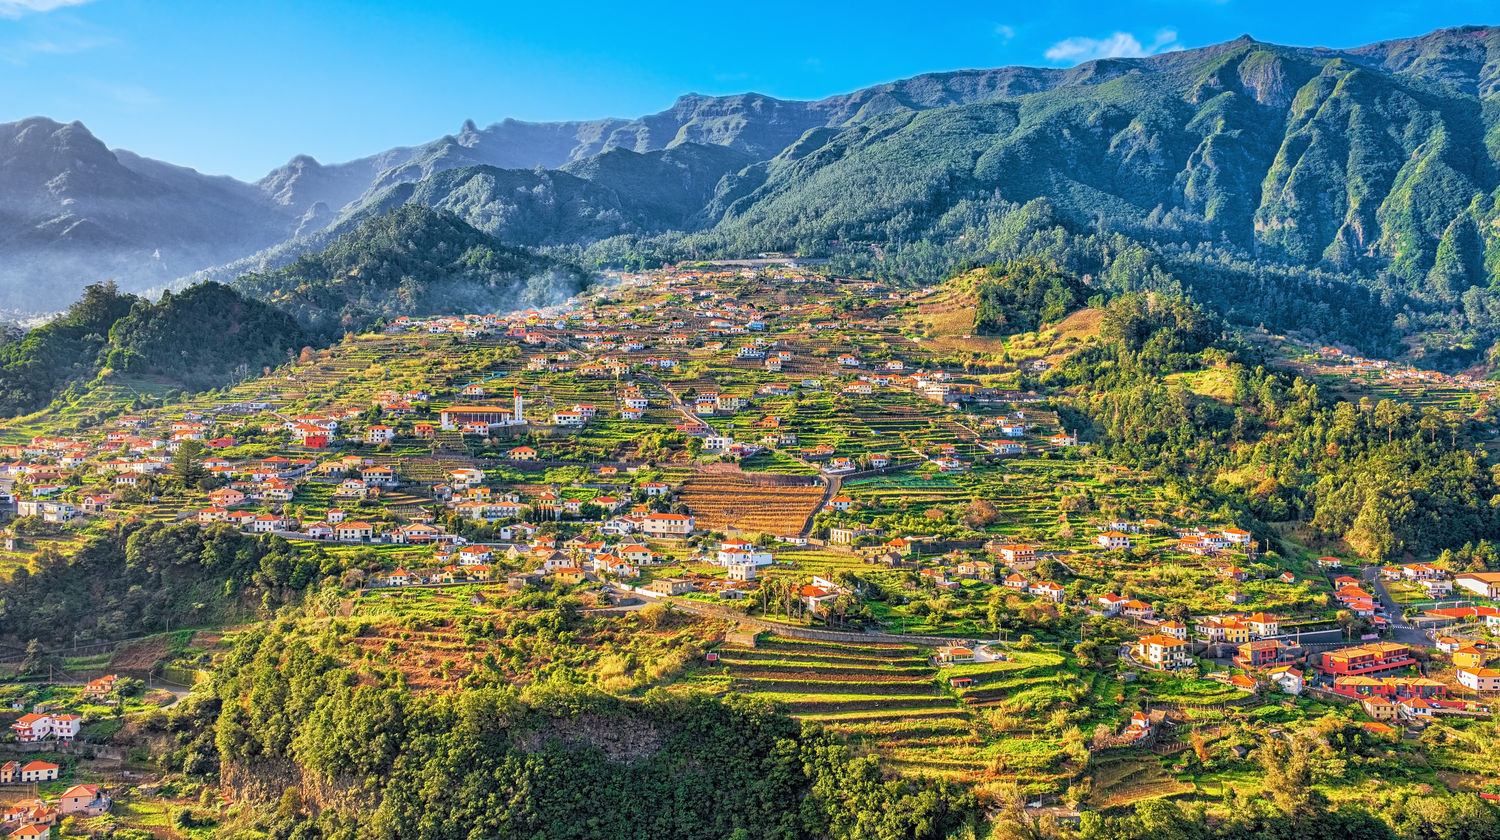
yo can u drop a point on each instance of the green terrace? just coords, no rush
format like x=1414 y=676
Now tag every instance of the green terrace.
x=885 y=693
x=892 y=699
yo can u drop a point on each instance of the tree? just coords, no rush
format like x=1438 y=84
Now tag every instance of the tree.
x=995 y=613
x=1288 y=775
x=37 y=660
x=127 y=687
x=1352 y=624
x=187 y=464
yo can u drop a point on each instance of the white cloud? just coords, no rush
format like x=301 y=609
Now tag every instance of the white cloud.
x=1005 y=32
x=1117 y=45
x=127 y=94
x=16 y=8
x=70 y=46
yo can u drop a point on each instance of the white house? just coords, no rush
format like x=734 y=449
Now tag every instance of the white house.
x=1485 y=584
x=1286 y=677
x=1479 y=679
x=742 y=571
x=1235 y=536
x=378 y=434
x=673 y=525
x=737 y=552
x=1112 y=540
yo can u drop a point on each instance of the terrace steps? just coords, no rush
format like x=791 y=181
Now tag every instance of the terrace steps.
x=903 y=733
x=816 y=687
x=762 y=653
x=847 y=676
x=832 y=673
x=925 y=740
x=951 y=713
x=827 y=703
x=758 y=656
x=869 y=649
x=947 y=770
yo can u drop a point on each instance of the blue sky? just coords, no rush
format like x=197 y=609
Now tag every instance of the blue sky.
x=238 y=88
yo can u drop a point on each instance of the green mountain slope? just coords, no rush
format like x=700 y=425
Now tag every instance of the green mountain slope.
x=411 y=261
x=1310 y=162
x=200 y=336
x=197 y=338
x=1376 y=174
x=1347 y=194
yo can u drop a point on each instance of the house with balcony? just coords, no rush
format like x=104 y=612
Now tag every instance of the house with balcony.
x=1165 y=652
x=1378 y=658
x=1261 y=653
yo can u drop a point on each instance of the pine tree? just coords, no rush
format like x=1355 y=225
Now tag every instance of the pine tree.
x=187 y=464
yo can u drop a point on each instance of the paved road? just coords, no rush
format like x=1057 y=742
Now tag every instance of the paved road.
x=1401 y=630
x=832 y=482
x=178 y=692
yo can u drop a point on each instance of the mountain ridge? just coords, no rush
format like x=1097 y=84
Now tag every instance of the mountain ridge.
x=1375 y=166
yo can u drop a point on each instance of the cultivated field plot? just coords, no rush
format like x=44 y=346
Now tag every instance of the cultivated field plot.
x=891 y=699
x=884 y=695
x=438 y=638
x=720 y=501
x=1126 y=781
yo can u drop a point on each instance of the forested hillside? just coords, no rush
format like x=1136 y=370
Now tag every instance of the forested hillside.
x=384 y=762
x=148 y=577
x=197 y=338
x=1022 y=295
x=202 y=336
x=411 y=261
x=1382 y=477
x=1291 y=172
x=34 y=368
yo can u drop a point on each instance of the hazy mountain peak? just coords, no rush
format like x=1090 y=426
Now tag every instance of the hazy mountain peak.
x=1194 y=132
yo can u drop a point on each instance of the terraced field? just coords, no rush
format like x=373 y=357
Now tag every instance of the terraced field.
x=885 y=695
x=1126 y=781
x=720 y=501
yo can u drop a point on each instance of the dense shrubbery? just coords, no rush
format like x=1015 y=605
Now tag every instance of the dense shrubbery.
x=1436 y=817
x=556 y=759
x=33 y=369
x=143 y=578
x=1022 y=295
x=201 y=336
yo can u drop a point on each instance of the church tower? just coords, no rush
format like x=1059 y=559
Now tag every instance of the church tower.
x=518 y=418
